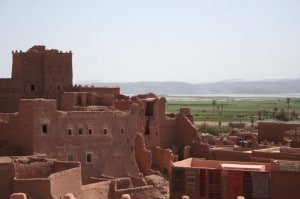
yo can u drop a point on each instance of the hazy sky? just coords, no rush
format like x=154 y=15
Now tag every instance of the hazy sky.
x=159 y=40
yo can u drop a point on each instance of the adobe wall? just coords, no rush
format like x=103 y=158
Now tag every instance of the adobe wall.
x=7 y=173
x=17 y=131
x=200 y=149
x=34 y=188
x=186 y=134
x=10 y=93
x=167 y=128
x=142 y=155
x=228 y=155
x=284 y=185
x=264 y=153
x=99 y=90
x=36 y=73
x=272 y=132
x=150 y=120
x=36 y=169
x=123 y=105
x=79 y=101
x=57 y=73
x=107 y=135
x=162 y=158
x=96 y=190
x=38 y=177
x=66 y=181
x=122 y=186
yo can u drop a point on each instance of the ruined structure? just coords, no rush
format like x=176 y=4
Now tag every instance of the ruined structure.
x=279 y=132
x=98 y=143
x=112 y=135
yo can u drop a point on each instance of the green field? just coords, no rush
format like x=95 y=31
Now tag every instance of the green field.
x=228 y=109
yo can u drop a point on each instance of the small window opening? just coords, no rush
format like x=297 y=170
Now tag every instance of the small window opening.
x=45 y=128
x=149 y=109
x=32 y=87
x=147 y=130
x=70 y=132
x=80 y=131
x=105 y=131
x=70 y=157
x=88 y=157
x=127 y=140
x=122 y=131
x=90 y=131
x=58 y=87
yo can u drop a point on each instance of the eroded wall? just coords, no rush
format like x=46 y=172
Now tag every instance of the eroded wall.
x=103 y=141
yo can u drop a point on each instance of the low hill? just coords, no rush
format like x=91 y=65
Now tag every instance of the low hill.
x=283 y=86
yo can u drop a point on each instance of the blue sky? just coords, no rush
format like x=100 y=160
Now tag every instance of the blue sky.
x=159 y=40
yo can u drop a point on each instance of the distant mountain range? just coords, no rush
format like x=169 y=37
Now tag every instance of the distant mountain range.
x=238 y=86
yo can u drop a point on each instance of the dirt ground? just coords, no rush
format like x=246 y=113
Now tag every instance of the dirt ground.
x=216 y=123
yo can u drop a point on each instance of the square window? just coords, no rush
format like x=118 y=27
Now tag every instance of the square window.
x=70 y=132
x=88 y=157
x=105 y=131
x=45 y=128
x=80 y=131
x=32 y=87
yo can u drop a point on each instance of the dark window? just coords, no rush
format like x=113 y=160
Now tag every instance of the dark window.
x=88 y=157
x=105 y=131
x=122 y=131
x=45 y=128
x=70 y=157
x=32 y=87
x=58 y=87
x=90 y=131
x=147 y=130
x=80 y=131
x=149 y=109
x=69 y=131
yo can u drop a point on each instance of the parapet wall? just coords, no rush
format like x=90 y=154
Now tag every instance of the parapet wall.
x=99 y=90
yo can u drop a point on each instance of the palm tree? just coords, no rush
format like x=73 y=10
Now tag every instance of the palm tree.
x=214 y=103
x=275 y=111
x=288 y=101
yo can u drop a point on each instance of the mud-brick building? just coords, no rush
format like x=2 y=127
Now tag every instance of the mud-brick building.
x=102 y=140
x=210 y=179
x=110 y=134
x=279 y=132
x=36 y=73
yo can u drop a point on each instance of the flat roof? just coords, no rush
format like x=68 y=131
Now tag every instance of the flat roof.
x=244 y=167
